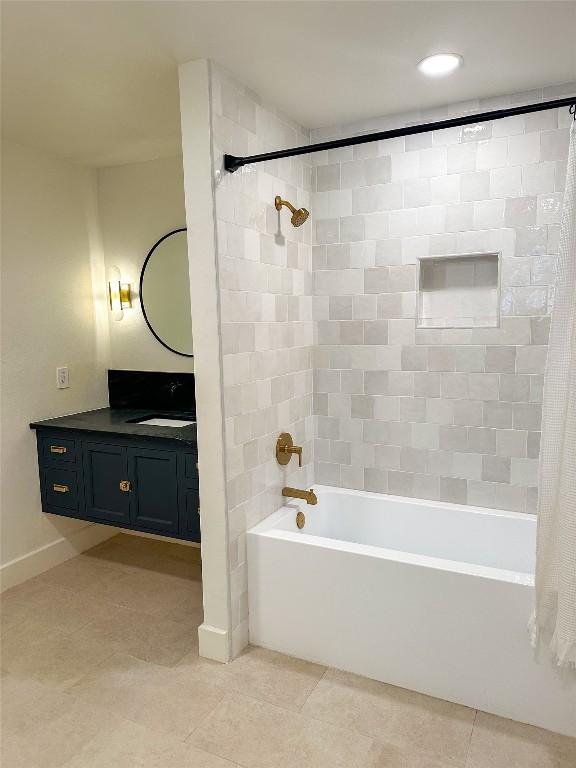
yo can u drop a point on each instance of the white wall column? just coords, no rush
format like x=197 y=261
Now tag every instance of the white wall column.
x=215 y=632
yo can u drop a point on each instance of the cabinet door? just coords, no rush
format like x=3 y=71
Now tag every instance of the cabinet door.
x=106 y=475
x=154 y=497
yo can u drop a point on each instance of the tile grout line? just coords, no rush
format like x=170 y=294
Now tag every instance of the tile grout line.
x=204 y=717
x=233 y=763
x=301 y=707
x=467 y=761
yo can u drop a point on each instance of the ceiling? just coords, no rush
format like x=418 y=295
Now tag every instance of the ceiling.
x=97 y=81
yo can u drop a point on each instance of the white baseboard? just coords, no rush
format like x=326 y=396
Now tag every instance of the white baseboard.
x=240 y=638
x=42 y=559
x=214 y=643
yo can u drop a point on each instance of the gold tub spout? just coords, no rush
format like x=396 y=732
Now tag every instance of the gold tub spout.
x=295 y=493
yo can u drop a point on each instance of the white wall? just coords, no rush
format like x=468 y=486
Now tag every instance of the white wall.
x=138 y=204
x=50 y=317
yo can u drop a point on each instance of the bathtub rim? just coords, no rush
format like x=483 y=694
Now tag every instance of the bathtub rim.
x=267 y=528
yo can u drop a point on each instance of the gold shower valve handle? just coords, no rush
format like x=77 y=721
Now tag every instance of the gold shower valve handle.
x=285 y=448
x=298 y=451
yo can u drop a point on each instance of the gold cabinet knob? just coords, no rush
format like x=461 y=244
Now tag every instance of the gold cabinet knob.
x=57 y=449
x=125 y=486
x=60 y=488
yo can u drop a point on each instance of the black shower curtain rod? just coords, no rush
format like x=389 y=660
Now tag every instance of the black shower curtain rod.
x=232 y=163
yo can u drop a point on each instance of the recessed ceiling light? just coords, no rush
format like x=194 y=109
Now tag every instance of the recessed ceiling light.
x=440 y=64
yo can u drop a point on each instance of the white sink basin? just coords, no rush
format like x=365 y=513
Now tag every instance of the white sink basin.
x=166 y=422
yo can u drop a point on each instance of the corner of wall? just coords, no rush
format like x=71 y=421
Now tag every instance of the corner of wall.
x=195 y=105
x=265 y=292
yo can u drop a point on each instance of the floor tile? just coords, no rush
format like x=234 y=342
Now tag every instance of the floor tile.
x=34 y=651
x=386 y=755
x=130 y=745
x=163 y=549
x=51 y=605
x=407 y=724
x=81 y=573
x=499 y=743
x=43 y=727
x=16 y=604
x=137 y=553
x=150 y=638
x=157 y=594
x=261 y=674
x=156 y=697
x=259 y=735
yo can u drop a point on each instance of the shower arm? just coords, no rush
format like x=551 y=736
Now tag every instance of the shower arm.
x=232 y=163
x=278 y=203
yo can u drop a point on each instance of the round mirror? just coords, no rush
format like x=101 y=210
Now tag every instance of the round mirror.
x=165 y=293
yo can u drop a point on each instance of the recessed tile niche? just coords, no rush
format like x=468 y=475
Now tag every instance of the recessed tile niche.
x=459 y=291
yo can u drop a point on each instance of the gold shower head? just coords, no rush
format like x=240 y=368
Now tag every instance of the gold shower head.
x=299 y=215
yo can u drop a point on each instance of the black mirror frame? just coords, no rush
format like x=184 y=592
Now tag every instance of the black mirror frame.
x=141 y=297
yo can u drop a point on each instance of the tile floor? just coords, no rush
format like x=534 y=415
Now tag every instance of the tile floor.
x=100 y=670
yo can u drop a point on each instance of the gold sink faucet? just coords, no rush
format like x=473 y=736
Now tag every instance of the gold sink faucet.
x=295 y=493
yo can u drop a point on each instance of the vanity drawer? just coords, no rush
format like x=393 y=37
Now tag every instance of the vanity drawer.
x=60 y=487
x=58 y=449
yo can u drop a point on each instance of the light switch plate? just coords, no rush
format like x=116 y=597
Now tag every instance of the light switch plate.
x=62 y=380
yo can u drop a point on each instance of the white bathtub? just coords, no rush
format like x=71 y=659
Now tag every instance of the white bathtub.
x=430 y=596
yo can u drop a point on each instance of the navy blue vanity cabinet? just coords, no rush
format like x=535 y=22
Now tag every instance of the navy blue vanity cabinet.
x=135 y=482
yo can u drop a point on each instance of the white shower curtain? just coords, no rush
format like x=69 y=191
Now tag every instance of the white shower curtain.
x=554 y=621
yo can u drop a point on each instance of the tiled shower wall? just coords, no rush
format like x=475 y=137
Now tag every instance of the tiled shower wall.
x=266 y=317
x=450 y=414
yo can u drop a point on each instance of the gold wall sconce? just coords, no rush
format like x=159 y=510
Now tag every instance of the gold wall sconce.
x=119 y=294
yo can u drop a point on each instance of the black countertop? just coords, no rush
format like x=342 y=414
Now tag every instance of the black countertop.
x=117 y=421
